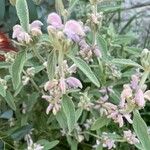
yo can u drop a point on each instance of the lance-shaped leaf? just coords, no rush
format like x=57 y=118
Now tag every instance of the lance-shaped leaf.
x=127 y=62
x=10 y=100
x=47 y=145
x=83 y=66
x=17 y=68
x=23 y=14
x=51 y=65
x=69 y=110
x=141 y=130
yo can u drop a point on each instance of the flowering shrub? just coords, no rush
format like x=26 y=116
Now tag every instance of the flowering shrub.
x=72 y=85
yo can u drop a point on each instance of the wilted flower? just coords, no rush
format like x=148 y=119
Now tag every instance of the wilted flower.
x=130 y=137
x=55 y=20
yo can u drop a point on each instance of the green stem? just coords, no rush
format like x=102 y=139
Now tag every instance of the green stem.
x=37 y=54
x=33 y=83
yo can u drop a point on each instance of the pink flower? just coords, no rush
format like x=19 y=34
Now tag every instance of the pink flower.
x=74 y=30
x=35 y=28
x=62 y=85
x=55 y=20
x=36 y=24
x=49 y=85
x=134 y=82
x=24 y=37
x=130 y=137
x=139 y=98
x=17 y=29
x=73 y=82
x=126 y=93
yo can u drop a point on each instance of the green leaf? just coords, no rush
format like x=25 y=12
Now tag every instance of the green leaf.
x=10 y=100
x=51 y=64
x=17 y=68
x=100 y=122
x=2 y=9
x=127 y=62
x=23 y=14
x=141 y=130
x=103 y=46
x=69 y=110
x=7 y=114
x=19 y=133
x=62 y=120
x=78 y=113
x=47 y=145
x=4 y=65
x=83 y=66
x=2 y=90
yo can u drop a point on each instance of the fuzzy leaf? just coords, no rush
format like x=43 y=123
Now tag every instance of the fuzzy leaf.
x=2 y=8
x=10 y=100
x=23 y=14
x=17 y=68
x=83 y=66
x=141 y=130
x=19 y=133
x=127 y=62
x=47 y=145
x=99 y=123
x=51 y=65
x=69 y=110
x=2 y=90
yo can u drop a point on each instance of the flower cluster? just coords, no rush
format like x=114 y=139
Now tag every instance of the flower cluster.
x=24 y=37
x=105 y=141
x=133 y=94
x=74 y=31
x=59 y=86
x=130 y=137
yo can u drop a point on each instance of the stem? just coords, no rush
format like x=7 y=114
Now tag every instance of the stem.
x=144 y=77
x=94 y=135
x=33 y=83
x=37 y=54
x=60 y=63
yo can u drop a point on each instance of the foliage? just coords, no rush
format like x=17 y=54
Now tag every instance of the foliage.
x=72 y=85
